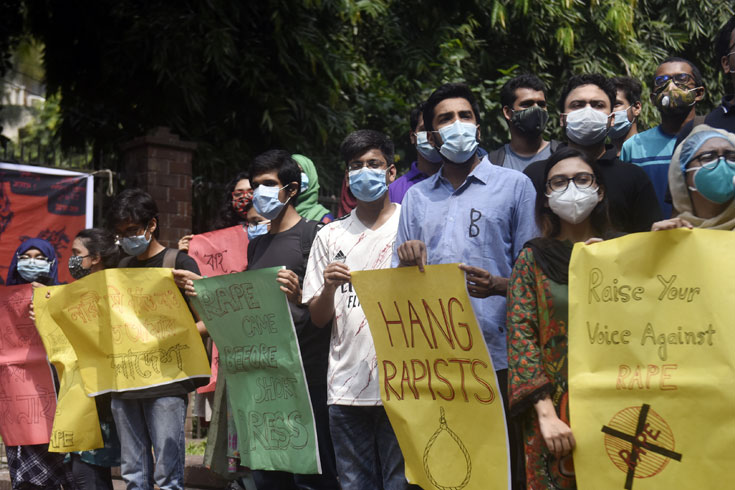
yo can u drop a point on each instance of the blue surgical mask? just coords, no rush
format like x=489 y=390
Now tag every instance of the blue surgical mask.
x=368 y=184
x=257 y=230
x=426 y=149
x=622 y=125
x=459 y=141
x=304 y=182
x=715 y=184
x=32 y=269
x=135 y=245
x=266 y=202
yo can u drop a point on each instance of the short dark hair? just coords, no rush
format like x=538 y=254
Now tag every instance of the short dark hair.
x=695 y=71
x=361 y=141
x=526 y=80
x=588 y=79
x=630 y=86
x=548 y=222
x=722 y=41
x=227 y=216
x=286 y=168
x=416 y=112
x=448 y=91
x=136 y=206
x=101 y=243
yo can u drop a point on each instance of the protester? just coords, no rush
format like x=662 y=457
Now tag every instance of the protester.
x=93 y=250
x=33 y=466
x=347 y=201
x=524 y=108
x=150 y=420
x=678 y=86
x=471 y=212
x=701 y=177
x=368 y=453
x=233 y=209
x=307 y=204
x=572 y=209
x=627 y=109
x=275 y=177
x=427 y=162
x=586 y=104
x=722 y=116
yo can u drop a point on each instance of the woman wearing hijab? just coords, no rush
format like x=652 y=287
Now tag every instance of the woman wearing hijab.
x=573 y=209
x=701 y=176
x=33 y=466
x=307 y=204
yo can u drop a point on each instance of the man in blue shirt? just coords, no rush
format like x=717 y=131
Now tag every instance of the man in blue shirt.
x=472 y=212
x=678 y=86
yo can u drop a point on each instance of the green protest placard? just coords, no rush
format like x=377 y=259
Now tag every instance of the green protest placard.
x=248 y=317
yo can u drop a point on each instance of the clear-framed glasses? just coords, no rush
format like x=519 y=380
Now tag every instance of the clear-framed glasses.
x=559 y=183
x=40 y=259
x=373 y=164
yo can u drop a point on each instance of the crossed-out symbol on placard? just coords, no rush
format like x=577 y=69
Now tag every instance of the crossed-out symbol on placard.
x=640 y=444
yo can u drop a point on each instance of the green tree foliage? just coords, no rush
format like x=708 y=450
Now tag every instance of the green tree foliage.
x=241 y=77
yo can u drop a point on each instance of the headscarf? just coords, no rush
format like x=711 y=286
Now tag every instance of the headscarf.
x=677 y=179
x=307 y=204
x=46 y=249
x=347 y=201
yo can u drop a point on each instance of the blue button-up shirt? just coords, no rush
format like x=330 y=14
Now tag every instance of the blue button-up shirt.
x=483 y=223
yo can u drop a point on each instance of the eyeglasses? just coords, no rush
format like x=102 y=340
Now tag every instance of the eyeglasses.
x=242 y=194
x=678 y=78
x=41 y=259
x=130 y=232
x=559 y=183
x=710 y=159
x=373 y=164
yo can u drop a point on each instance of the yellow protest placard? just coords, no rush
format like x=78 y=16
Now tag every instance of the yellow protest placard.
x=437 y=381
x=130 y=329
x=76 y=424
x=651 y=371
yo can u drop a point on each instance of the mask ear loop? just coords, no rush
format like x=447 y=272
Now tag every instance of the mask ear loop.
x=695 y=170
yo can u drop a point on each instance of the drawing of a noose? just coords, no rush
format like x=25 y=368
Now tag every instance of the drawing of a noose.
x=444 y=427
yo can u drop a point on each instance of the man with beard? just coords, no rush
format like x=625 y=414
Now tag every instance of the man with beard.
x=524 y=108
x=677 y=87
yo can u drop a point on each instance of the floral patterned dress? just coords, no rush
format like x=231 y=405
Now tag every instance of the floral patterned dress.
x=537 y=366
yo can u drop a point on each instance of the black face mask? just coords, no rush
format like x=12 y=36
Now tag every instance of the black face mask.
x=531 y=121
x=75 y=267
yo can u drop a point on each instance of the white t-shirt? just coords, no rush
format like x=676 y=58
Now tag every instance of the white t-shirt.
x=352 y=377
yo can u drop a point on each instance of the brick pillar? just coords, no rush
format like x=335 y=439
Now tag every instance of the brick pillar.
x=160 y=163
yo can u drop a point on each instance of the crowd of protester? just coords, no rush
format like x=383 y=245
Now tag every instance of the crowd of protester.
x=509 y=216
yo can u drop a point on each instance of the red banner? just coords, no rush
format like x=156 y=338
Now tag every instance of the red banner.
x=27 y=394
x=219 y=252
x=38 y=202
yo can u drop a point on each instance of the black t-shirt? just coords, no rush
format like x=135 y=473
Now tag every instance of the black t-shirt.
x=632 y=202
x=290 y=248
x=180 y=388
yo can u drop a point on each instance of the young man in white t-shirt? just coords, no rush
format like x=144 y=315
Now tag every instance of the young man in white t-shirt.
x=364 y=442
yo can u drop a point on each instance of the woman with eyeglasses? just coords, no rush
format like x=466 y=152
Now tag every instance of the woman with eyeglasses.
x=701 y=181
x=572 y=209
x=33 y=466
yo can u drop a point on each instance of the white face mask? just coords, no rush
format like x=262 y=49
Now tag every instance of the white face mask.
x=586 y=126
x=573 y=205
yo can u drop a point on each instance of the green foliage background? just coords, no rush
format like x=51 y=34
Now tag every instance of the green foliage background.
x=241 y=77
